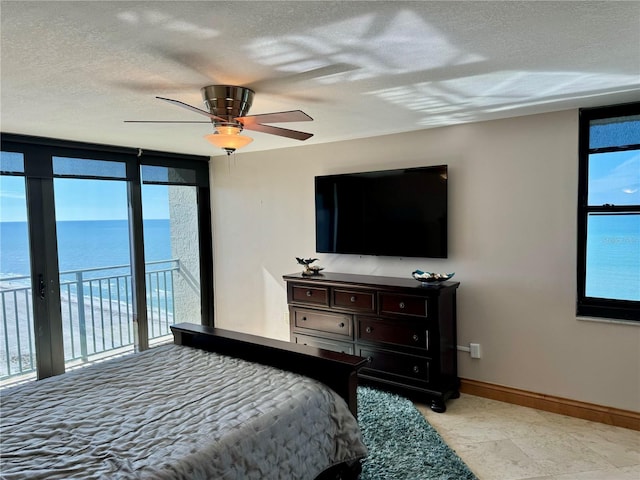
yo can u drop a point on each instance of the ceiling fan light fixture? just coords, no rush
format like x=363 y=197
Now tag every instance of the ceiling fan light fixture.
x=228 y=129
x=226 y=139
x=227 y=108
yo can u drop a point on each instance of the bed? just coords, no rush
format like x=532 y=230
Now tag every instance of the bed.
x=213 y=405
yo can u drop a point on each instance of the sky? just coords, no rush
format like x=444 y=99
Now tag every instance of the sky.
x=614 y=178
x=80 y=199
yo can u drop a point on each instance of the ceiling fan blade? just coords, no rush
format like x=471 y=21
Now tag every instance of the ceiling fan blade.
x=203 y=66
x=151 y=87
x=276 y=82
x=194 y=61
x=192 y=108
x=276 y=117
x=283 y=132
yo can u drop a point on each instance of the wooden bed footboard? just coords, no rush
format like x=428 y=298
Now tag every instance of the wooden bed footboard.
x=336 y=370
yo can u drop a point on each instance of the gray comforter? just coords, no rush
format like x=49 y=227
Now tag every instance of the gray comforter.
x=175 y=412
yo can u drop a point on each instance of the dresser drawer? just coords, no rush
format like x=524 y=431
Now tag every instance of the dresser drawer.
x=309 y=295
x=354 y=300
x=403 y=304
x=333 y=345
x=323 y=323
x=410 y=334
x=407 y=366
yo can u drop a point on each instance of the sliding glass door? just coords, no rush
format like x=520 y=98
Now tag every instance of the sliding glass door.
x=171 y=248
x=94 y=258
x=17 y=348
x=101 y=252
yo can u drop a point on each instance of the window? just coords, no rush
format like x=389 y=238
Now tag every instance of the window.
x=171 y=231
x=103 y=248
x=609 y=212
x=17 y=352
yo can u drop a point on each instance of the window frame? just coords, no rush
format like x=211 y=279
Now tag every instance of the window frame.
x=592 y=306
x=38 y=154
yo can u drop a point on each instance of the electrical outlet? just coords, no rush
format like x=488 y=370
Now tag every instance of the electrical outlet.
x=474 y=350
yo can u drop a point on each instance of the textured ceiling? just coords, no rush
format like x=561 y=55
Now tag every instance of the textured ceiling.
x=77 y=70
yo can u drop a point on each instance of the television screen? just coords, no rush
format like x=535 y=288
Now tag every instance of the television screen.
x=399 y=212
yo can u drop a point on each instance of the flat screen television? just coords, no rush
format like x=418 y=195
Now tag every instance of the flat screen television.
x=401 y=212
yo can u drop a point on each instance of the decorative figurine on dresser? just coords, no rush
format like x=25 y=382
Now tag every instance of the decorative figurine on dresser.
x=406 y=329
x=308 y=268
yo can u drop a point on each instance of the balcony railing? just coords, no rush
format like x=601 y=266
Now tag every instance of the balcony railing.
x=96 y=312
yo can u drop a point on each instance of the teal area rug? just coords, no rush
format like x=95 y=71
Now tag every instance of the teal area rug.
x=401 y=443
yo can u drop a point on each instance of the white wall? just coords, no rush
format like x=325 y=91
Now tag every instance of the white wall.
x=184 y=245
x=512 y=230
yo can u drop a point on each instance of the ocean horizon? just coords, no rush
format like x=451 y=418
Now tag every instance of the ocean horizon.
x=84 y=244
x=96 y=302
x=613 y=250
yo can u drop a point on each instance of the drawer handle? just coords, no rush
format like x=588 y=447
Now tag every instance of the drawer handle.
x=402 y=305
x=304 y=319
x=368 y=329
x=341 y=324
x=416 y=369
x=309 y=293
x=353 y=298
x=415 y=337
x=369 y=359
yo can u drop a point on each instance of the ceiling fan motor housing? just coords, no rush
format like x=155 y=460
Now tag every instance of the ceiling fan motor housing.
x=227 y=101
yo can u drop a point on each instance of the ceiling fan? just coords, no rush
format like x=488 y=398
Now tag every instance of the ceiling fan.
x=228 y=106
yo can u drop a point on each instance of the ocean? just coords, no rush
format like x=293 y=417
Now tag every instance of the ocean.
x=613 y=252
x=83 y=244
x=96 y=301
x=613 y=262
x=613 y=257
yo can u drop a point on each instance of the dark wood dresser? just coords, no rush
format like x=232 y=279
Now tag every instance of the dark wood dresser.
x=406 y=330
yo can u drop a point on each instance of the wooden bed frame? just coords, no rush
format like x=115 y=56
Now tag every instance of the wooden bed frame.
x=339 y=371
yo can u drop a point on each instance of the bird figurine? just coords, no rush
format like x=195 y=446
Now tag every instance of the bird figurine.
x=308 y=268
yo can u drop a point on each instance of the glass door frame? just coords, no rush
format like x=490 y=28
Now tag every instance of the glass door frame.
x=38 y=156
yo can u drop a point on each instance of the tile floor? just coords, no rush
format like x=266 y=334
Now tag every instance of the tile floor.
x=500 y=441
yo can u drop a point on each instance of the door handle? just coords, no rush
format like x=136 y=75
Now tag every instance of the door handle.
x=42 y=289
